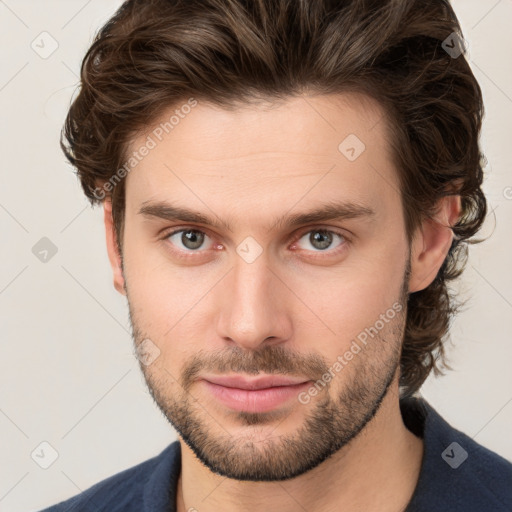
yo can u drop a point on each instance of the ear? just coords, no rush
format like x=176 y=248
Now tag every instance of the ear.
x=432 y=242
x=112 y=249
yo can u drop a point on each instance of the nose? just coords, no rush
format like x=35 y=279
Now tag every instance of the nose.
x=253 y=306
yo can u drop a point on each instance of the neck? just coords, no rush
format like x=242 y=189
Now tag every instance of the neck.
x=376 y=472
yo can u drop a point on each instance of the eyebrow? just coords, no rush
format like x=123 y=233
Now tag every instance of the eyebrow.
x=329 y=211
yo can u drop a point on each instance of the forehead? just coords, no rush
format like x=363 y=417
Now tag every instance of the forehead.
x=266 y=157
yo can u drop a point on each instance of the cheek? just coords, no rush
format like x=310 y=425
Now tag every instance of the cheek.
x=155 y=291
x=167 y=304
x=341 y=302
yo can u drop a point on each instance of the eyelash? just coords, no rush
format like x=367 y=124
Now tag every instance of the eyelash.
x=187 y=254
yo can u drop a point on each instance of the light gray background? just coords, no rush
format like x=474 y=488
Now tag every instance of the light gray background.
x=68 y=375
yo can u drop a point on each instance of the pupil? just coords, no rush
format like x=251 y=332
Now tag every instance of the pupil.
x=192 y=239
x=321 y=239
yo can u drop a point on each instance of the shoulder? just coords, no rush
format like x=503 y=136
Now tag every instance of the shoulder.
x=457 y=472
x=128 y=490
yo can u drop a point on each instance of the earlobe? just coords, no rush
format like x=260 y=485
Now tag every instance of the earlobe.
x=112 y=248
x=432 y=242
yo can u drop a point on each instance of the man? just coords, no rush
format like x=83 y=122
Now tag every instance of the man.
x=288 y=186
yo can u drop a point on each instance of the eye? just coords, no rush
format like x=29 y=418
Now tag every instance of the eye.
x=190 y=239
x=321 y=239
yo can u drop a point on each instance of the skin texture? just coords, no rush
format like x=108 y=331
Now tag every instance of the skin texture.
x=293 y=310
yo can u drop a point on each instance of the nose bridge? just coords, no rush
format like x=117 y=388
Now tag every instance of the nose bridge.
x=251 y=283
x=251 y=310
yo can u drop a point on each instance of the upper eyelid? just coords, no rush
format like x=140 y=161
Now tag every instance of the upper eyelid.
x=303 y=230
x=337 y=231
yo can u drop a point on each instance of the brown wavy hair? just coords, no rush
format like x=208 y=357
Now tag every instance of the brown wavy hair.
x=154 y=54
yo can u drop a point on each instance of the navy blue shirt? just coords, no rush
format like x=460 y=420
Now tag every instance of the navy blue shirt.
x=457 y=475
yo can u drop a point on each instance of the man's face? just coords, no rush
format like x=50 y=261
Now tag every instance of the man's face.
x=322 y=301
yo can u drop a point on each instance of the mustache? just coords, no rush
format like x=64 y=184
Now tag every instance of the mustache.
x=269 y=360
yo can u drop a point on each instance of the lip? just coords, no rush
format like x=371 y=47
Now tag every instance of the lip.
x=265 y=381
x=256 y=395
